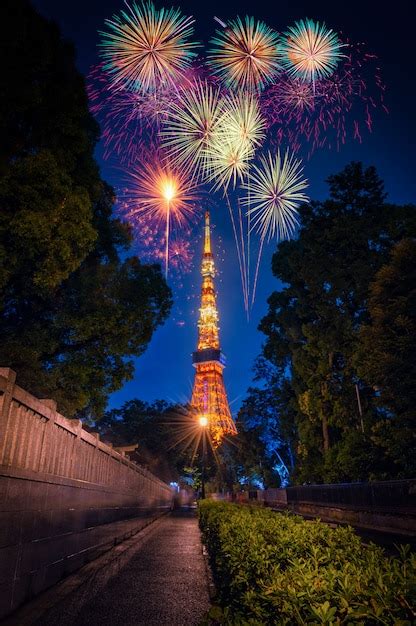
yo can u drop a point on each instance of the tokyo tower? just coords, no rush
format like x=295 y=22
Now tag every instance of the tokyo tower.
x=209 y=398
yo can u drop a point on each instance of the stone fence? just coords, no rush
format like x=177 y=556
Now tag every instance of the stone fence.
x=386 y=507
x=65 y=496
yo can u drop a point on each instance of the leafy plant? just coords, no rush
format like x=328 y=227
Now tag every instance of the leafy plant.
x=276 y=568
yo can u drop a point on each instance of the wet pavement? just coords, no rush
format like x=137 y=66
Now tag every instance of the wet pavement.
x=164 y=583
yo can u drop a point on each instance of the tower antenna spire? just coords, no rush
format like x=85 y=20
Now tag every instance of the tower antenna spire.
x=207 y=243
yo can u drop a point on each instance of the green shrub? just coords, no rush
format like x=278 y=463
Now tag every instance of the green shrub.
x=276 y=568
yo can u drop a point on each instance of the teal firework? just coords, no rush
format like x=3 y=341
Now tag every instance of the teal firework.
x=310 y=50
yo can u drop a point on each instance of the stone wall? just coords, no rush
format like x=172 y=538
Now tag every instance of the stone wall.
x=383 y=506
x=65 y=496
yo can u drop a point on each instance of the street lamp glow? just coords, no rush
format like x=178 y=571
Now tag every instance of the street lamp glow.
x=203 y=421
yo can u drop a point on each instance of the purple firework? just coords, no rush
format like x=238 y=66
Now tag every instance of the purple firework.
x=341 y=106
x=131 y=120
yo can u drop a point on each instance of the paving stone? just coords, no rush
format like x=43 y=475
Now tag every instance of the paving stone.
x=164 y=583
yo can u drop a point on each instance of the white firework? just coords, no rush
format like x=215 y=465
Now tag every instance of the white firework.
x=275 y=188
x=193 y=121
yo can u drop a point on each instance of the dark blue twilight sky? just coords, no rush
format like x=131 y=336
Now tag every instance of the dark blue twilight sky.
x=165 y=371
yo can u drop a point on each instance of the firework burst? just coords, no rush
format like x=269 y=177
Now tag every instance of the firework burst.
x=242 y=121
x=193 y=121
x=245 y=54
x=162 y=196
x=276 y=190
x=145 y=47
x=228 y=161
x=181 y=254
x=310 y=50
x=340 y=106
x=292 y=96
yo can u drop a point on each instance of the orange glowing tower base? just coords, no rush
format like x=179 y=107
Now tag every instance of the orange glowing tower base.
x=209 y=398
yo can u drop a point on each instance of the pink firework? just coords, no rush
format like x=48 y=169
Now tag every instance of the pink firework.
x=150 y=242
x=130 y=121
x=160 y=197
x=182 y=253
x=341 y=107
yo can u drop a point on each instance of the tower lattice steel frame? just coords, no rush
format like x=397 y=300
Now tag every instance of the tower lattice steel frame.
x=209 y=397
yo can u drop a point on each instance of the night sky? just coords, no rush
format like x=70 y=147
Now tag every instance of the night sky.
x=165 y=371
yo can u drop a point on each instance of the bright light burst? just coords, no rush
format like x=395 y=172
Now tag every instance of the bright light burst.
x=193 y=121
x=245 y=54
x=145 y=47
x=228 y=161
x=161 y=195
x=310 y=50
x=276 y=189
x=242 y=121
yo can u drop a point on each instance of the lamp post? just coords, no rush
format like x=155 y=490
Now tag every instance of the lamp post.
x=203 y=422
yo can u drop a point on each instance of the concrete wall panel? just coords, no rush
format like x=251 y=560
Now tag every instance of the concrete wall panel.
x=65 y=496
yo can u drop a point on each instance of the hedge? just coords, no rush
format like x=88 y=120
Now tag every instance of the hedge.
x=276 y=568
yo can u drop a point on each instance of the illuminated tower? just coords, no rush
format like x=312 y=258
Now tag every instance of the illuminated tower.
x=209 y=398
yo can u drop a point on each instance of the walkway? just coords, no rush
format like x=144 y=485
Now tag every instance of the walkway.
x=163 y=583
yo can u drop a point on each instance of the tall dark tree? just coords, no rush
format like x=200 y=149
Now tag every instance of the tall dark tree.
x=386 y=355
x=73 y=312
x=266 y=421
x=312 y=327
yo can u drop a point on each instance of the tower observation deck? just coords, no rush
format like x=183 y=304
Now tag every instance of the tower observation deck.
x=209 y=397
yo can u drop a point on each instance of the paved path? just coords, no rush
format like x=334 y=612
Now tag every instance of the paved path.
x=164 y=583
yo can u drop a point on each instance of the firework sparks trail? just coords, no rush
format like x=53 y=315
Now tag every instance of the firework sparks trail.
x=161 y=195
x=240 y=131
x=192 y=124
x=145 y=47
x=245 y=54
x=244 y=255
x=239 y=251
x=276 y=192
x=340 y=106
x=310 y=50
x=276 y=188
x=131 y=120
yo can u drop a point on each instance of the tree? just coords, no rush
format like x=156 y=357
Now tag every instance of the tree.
x=266 y=422
x=386 y=356
x=73 y=312
x=313 y=323
x=146 y=424
x=166 y=441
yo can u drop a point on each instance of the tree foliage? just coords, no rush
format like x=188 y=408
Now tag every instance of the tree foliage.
x=75 y=307
x=315 y=330
x=386 y=355
x=150 y=426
